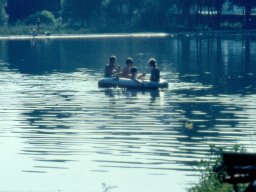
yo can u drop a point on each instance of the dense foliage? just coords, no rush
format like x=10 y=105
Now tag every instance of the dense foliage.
x=132 y=15
x=21 y=9
x=81 y=11
x=3 y=15
x=45 y=17
x=209 y=181
x=247 y=5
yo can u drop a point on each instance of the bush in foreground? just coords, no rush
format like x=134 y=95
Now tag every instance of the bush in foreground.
x=209 y=181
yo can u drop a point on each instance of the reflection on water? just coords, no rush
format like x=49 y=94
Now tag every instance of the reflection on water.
x=64 y=133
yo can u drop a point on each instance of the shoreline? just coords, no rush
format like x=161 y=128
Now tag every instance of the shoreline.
x=128 y=35
x=83 y=36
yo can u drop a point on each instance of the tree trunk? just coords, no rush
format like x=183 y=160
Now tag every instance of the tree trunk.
x=219 y=14
x=186 y=15
x=248 y=11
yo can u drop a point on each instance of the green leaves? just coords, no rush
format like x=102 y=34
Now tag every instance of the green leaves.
x=118 y=15
x=21 y=9
x=3 y=15
x=209 y=179
x=80 y=11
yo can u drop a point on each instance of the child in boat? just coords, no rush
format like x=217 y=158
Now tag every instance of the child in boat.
x=126 y=73
x=155 y=72
x=111 y=68
x=134 y=74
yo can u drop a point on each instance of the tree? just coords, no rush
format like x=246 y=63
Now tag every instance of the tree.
x=21 y=9
x=134 y=10
x=184 y=7
x=218 y=6
x=164 y=8
x=81 y=11
x=156 y=14
x=113 y=11
x=214 y=6
x=3 y=15
x=247 y=5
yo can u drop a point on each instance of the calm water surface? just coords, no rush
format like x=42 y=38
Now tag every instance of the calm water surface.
x=60 y=132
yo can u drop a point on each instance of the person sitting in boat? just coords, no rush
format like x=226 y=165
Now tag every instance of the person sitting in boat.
x=134 y=74
x=155 y=72
x=126 y=72
x=111 y=68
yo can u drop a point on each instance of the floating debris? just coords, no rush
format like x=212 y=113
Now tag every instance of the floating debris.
x=189 y=125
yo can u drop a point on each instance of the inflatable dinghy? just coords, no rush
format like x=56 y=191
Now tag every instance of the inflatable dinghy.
x=131 y=84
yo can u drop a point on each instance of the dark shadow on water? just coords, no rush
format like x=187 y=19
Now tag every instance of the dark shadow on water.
x=227 y=64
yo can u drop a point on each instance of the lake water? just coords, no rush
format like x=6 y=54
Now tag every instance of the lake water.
x=59 y=132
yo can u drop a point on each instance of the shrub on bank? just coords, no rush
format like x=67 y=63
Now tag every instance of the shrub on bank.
x=209 y=181
x=46 y=17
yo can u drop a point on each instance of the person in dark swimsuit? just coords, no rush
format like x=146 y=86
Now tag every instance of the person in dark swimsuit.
x=155 y=72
